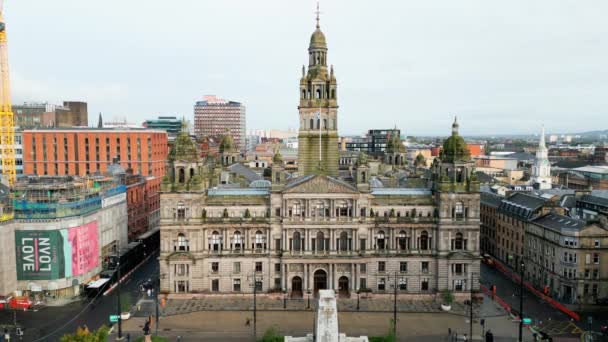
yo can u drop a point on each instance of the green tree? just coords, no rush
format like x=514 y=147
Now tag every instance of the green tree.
x=420 y=161
x=84 y=335
x=271 y=335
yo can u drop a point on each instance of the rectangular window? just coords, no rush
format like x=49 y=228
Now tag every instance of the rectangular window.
x=402 y=284
x=236 y=285
x=403 y=267
x=596 y=243
x=362 y=245
x=362 y=283
x=381 y=266
x=258 y=266
x=277 y=283
x=236 y=267
x=424 y=284
x=259 y=286
x=587 y=272
x=363 y=268
x=215 y=285
x=594 y=290
x=596 y=274
x=215 y=267
x=381 y=284
x=277 y=268
x=596 y=258
x=277 y=245
x=424 y=266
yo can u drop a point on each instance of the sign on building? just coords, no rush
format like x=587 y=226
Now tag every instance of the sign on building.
x=56 y=254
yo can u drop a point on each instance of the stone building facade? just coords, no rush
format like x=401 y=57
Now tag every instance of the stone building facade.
x=317 y=231
x=568 y=257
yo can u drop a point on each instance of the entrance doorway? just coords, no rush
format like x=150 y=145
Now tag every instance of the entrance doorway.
x=296 y=287
x=320 y=277
x=343 y=290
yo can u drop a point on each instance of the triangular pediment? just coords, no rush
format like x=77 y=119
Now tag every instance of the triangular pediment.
x=316 y=184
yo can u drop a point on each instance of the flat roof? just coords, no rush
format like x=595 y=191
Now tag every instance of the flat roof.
x=97 y=130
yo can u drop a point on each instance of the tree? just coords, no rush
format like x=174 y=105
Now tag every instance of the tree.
x=84 y=335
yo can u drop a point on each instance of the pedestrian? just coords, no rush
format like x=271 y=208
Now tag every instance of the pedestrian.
x=449 y=331
x=247 y=322
x=465 y=337
x=7 y=335
x=149 y=292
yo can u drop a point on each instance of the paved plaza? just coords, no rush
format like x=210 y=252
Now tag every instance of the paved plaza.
x=484 y=308
x=232 y=325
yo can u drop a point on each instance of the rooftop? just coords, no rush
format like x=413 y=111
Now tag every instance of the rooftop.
x=401 y=192
x=238 y=192
x=593 y=169
x=559 y=223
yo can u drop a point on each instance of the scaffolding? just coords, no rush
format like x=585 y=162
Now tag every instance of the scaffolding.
x=60 y=197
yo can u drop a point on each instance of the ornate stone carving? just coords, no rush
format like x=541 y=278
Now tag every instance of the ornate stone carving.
x=321 y=185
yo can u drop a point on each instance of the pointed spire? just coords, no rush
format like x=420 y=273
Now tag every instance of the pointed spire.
x=455 y=126
x=318 y=12
x=541 y=143
x=100 y=121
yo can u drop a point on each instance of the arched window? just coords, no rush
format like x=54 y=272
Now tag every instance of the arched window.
x=343 y=242
x=318 y=123
x=333 y=93
x=304 y=93
x=260 y=240
x=297 y=242
x=401 y=240
x=325 y=123
x=424 y=240
x=457 y=242
x=237 y=240
x=191 y=172
x=320 y=241
x=182 y=243
x=318 y=93
x=312 y=124
x=216 y=241
x=380 y=243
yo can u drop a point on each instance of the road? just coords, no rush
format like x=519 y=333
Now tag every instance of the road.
x=50 y=323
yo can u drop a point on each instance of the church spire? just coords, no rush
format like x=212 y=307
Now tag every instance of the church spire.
x=455 y=126
x=541 y=143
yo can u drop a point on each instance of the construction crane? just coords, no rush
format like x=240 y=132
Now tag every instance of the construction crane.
x=7 y=128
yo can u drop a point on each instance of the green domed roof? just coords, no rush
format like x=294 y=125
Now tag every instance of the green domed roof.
x=317 y=40
x=362 y=159
x=227 y=144
x=278 y=157
x=184 y=148
x=454 y=147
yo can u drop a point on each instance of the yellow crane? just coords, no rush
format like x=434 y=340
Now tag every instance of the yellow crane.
x=7 y=128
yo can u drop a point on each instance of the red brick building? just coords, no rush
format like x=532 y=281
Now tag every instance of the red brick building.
x=83 y=151
x=74 y=151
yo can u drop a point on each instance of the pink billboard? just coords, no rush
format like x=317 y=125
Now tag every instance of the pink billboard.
x=85 y=248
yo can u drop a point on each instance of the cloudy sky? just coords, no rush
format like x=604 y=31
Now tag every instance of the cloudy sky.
x=502 y=67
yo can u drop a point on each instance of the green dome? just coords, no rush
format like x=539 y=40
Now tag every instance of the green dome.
x=277 y=158
x=227 y=144
x=317 y=40
x=184 y=148
x=454 y=147
x=362 y=159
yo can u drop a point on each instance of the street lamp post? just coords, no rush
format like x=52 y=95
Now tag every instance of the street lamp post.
x=359 y=290
x=471 y=308
x=521 y=299
x=255 y=288
x=118 y=295
x=308 y=292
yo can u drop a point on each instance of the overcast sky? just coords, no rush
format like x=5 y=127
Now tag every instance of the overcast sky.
x=502 y=67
